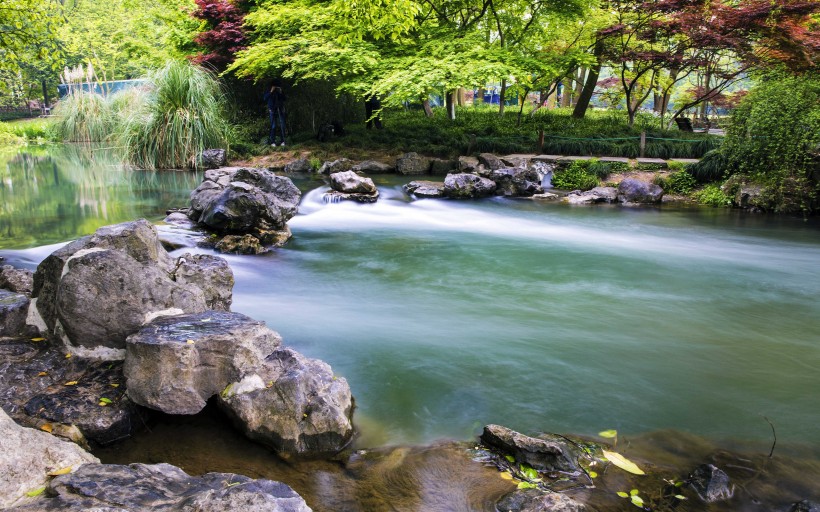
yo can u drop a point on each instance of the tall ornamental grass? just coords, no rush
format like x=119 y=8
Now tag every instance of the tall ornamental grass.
x=182 y=116
x=163 y=125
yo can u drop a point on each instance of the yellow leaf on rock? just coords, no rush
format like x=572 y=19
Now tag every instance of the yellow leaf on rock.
x=506 y=475
x=46 y=427
x=68 y=356
x=190 y=342
x=59 y=472
x=35 y=492
x=38 y=339
x=42 y=374
x=71 y=383
x=609 y=434
x=623 y=463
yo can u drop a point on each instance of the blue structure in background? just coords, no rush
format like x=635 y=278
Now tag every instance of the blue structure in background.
x=103 y=88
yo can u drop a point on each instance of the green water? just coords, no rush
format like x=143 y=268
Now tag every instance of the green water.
x=445 y=316
x=51 y=194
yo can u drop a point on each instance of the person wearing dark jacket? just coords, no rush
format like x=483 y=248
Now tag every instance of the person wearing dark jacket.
x=275 y=99
x=372 y=106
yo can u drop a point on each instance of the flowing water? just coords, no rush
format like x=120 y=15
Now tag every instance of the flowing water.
x=445 y=316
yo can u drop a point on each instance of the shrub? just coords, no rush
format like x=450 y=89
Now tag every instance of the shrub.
x=712 y=195
x=84 y=117
x=712 y=167
x=575 y=176
x=182 y=115
x=680 y=182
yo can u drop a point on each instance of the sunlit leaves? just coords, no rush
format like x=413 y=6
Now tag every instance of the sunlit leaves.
x=622 y=462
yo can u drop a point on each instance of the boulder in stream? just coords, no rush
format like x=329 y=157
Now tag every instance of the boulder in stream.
x=635 y=191
x=13 y=312
x=516 y=182
x=275 y=395
x=94 y=292
x=425 y=189
x=412 y=164
x=532 y=500
x=467 y=186
x=17 y=280
x=594 y=196
x=545 y=453
x=162 y=488
x=711 y=483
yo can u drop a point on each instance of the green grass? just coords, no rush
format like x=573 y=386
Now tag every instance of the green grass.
x=480 y=129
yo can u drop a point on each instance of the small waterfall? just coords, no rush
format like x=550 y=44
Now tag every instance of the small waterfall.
x=331 y=198
x=545 y=171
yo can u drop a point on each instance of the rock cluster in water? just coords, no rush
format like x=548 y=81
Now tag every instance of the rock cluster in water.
x=248 y=208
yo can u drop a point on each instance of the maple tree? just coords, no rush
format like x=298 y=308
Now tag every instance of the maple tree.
x=224 y=35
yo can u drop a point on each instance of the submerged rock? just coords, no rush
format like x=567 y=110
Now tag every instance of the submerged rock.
x=551 y=453
x=711 y=483
x=139 y=279
x=467 y=186
x=532 y=500
x=162 y=487
x=26 y=458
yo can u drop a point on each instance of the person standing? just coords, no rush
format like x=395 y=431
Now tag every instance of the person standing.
x=372 y=106
x=275 y=99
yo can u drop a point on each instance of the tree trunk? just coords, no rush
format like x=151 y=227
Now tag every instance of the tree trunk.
x=425 y=103
x=45 y=96
x=566 y=92
x=657 y=102
x=462 y=97
x=579 y=84
x=501 y=97
x=449 y=101
x=479 y=98
x=586 y=93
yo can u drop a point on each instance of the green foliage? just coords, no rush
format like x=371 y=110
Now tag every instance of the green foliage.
x=712 y=167
x=576 y=176
x=679 y=182
x=712 y=195
x=774 y=137
x=85 y=117
x=182 y=115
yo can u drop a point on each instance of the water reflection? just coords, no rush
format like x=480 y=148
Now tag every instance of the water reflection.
x=56 y=193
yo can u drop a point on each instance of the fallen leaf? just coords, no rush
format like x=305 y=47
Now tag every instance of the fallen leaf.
x=35 y=492
x=593 y=474
x=506 y=475
x=46 y=427
x=637 y=501
x=105 y=400
x=623 y=463
x=115 y=385
x=59 y=472
x=622 y=494
x=190 y=342
x=71 y=383
x=102 y=404
x=38 y=339
x=680 y=496
x=68 y=356
x=609 y=434
x=42 y=374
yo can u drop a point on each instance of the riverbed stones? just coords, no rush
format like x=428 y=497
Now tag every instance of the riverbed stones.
x=13 y=313
x=240 y=244
x=238 y=200
x=711 y=483
x=423 y=189
x=340 y=165
x=298 y=166
x=595 y=196
x=410 y=164
x=28 y=455
x=94 y=292
x=349 y=182
x=634 y=191
x=17 y=280
x=440 y=167
x=213 y=158
x=533 y=500
x=373 y=167
x=491 y=161
x=545 y=453
x=275 y=395
x=516 y=182
x=467 y=186
x=164 y=488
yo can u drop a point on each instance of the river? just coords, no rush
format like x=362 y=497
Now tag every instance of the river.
x=445 y=316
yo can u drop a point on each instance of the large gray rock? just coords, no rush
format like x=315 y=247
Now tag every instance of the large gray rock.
x=94 y=292
x=467 y=163
x=440 y=167
x=546 y=453
x=467 y=186
x=244 y=200
x=301 y=165
x=425 y=189
x=594 y=196
x=412 y=164
x=175 y=364
x=635 y=191
x=373 y=167
x=16 y=279
x=490 y=161
x=349 y=182
x=275 y=395
x=28 y=455
x=516 y=182
x=162 y=487
x=213 y=158
x=340 y=165
x=13 y=313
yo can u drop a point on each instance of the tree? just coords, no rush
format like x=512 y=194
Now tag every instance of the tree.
x=224 y=35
